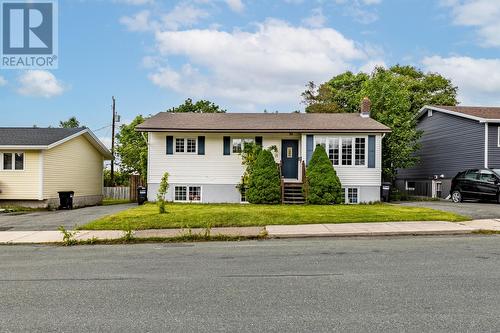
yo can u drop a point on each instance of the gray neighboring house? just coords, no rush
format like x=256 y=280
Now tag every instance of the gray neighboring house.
x=455 y=138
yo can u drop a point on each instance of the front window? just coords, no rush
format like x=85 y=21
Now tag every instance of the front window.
x=243 y=192
x=13 y=161
x=333 y=151
x=185 y=145
x=346 y=151
x=187 y=193
x=239 y=144
x=359 y=151
x=352 y=196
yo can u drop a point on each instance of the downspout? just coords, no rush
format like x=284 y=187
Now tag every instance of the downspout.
x=486 y=128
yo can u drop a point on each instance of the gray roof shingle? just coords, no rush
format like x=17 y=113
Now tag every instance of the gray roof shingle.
x=484 y=112
x=261 y=122
x=34 y=136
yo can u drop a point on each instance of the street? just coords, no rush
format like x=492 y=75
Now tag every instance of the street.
x=318 y=285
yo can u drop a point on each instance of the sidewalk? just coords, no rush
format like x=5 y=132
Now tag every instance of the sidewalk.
x=275 y=231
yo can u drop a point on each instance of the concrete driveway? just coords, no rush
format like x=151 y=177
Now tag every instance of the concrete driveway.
x=51 y=220
x=476 y=210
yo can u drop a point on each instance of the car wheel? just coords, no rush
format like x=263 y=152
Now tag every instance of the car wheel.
x=456 y=197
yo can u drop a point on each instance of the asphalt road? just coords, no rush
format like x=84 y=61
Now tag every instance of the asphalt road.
x=420 y=284
x=476 y=210
x=51 y=220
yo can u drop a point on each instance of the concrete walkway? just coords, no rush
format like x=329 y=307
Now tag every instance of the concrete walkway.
x=274 y=231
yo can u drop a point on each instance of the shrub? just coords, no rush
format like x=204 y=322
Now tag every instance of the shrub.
x=161 y=193
x=264 y=185
x=248 y=159
x=323 y=186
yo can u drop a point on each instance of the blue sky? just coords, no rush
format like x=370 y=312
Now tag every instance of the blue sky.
x=246 y=55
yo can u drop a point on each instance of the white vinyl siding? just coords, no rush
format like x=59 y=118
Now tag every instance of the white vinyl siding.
x=212 y=168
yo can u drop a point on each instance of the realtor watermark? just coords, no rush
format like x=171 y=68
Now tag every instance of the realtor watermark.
x=29 y=34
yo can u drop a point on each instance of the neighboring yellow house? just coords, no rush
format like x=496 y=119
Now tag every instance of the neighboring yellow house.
x=37 y=163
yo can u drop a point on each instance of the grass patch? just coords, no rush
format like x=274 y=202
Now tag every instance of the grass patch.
x=486 y=232
x=110 y=202
x=236 y=215
x=19 y=209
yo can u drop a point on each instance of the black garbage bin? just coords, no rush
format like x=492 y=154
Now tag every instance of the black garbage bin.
x=142 y=195
x=385 y=191
x=66 y=199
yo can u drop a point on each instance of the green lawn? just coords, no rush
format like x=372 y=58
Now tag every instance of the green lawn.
x=110 y=202
x=235 y=215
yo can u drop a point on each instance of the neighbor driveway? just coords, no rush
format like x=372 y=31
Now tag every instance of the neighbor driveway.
x=475 y=210
x=51 y=220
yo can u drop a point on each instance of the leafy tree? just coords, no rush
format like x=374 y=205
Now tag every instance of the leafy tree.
x=322 y=185
x=162 y=191
x=264 y=185
x=121 y=178
x=70 y=123
x=132 y=148
x=340 y=94
x=201 y=106
x=397 y=94
x=391 y=105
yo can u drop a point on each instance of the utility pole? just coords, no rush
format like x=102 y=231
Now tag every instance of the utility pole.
x=113 y=143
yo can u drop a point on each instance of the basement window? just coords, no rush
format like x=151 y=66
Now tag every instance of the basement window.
x=187 y=193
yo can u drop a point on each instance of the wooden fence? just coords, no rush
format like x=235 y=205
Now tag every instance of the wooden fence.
x=124 y=192
x=119 y=193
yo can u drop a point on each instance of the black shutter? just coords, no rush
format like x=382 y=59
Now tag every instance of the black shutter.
x=227 y=145
x=371 y=151
x=258 y=141
x=309 y=147
x=201 y=145
x=170 y=145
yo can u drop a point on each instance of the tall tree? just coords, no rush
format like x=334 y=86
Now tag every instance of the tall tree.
x=70 y=123
x=201 y=106
x=397 y=94
x=132 y=148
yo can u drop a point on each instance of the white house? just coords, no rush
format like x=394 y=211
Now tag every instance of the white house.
x=201 y=152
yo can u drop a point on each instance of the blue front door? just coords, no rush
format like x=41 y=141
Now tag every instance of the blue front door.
x=290 y=158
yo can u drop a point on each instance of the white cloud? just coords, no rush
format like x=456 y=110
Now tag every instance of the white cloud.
x=236 y=5
x=478 y=80
x=269 y=65
x=139 y=22
x=40 y=84
x=182 y=15
x=358 y=10
x=482 y=14
x=3 y=81
x=316 y=20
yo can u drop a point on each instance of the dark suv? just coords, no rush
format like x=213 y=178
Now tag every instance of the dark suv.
x=482 y=184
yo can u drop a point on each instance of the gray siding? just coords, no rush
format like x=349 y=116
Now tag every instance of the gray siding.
x=494 y=150
x=450 y=144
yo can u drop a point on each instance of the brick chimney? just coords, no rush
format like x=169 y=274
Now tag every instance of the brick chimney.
x=366 y=106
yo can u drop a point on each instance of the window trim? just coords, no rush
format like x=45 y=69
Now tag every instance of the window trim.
x=319 y=139
x=358 y=191
x=185 y=152
x=13 y=161
x=187 y=193
x=498 y=136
